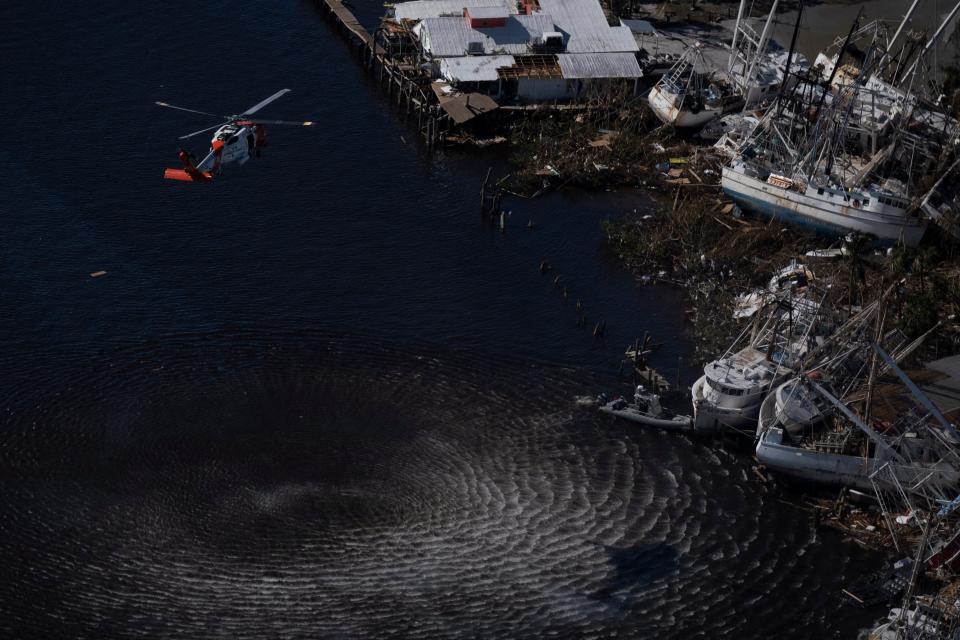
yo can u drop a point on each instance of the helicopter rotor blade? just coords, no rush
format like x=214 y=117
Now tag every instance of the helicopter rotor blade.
x=297 y=124
x=261 y=105
x=196 y=133
x=173 y=106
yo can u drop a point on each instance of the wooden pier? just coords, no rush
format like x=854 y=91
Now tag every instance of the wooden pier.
x=396 y=74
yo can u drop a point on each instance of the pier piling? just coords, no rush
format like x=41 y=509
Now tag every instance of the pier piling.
x=397 y=77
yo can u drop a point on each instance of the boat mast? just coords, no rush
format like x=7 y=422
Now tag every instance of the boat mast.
x=761 y=48
x=870 y=433
x=936 y=184
x=926 y=525
x=852 y=96
x=903 y=23
x=813 y=155
x=919 y=395
x=868 y=400
x=933 y=40
x=786 y=70
x=736 y=35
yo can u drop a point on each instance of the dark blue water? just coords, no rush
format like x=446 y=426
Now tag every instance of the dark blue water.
x=341 y=226
x=320 y=396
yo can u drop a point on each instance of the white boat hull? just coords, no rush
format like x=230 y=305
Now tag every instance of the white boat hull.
x=664 y=106
x=834 y=469
x=768 y=409
x=710 y=418
x=769 y=418
x=813 y=466
x=791 y=206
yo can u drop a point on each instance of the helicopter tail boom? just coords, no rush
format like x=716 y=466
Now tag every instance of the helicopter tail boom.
x=186 y=175
x=190 y=172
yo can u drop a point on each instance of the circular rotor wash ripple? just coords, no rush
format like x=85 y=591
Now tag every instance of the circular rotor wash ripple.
x=246 y=487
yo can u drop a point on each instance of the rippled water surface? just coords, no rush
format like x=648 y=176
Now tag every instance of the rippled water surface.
x=319 y=397
x=242 y=486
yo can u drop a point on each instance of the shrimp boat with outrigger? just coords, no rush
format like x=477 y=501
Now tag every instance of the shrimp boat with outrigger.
x=646 y=410
x=805 y=432
x=848 y=152
x=689 y=96
x=697 y=89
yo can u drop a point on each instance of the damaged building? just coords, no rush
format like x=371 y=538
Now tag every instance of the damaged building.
x=518 y=53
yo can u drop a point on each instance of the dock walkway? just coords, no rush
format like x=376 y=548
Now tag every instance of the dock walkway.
x=355 y=32
x=397 y=78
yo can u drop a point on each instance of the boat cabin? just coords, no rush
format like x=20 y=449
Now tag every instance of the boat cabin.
x=740 y=377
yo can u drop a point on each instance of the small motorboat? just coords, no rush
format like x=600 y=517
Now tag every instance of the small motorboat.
x=646 y=409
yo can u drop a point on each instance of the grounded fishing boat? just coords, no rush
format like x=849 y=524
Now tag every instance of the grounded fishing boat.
x=792 y=407
x=697 y=90
x=689 y=96
x=808 y=434
x=647 y=410
x=881 y=211
x=846 y=152
x=742 y=389
x=732 y=388
x=831 y=458
x=796 y=408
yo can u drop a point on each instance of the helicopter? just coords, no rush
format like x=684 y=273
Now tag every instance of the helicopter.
x=234 y=141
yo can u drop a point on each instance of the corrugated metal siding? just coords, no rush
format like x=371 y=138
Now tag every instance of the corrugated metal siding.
x=450 y=37
x=599 y=65
x=421 y=9
x=473 y=68
x=585 y=27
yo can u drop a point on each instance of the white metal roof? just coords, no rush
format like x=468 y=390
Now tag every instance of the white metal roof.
x=599 y=65
x=572 y=66
x=474 y=68
x=421 y=9
x=585 y=27
x=451 y=37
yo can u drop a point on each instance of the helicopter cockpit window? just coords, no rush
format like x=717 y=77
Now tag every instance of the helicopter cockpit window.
x=232 y=140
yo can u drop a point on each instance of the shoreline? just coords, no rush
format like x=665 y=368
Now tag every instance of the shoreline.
x=695 y=240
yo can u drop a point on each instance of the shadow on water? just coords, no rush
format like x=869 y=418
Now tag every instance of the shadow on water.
x=191 y=447
x=636 y=568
